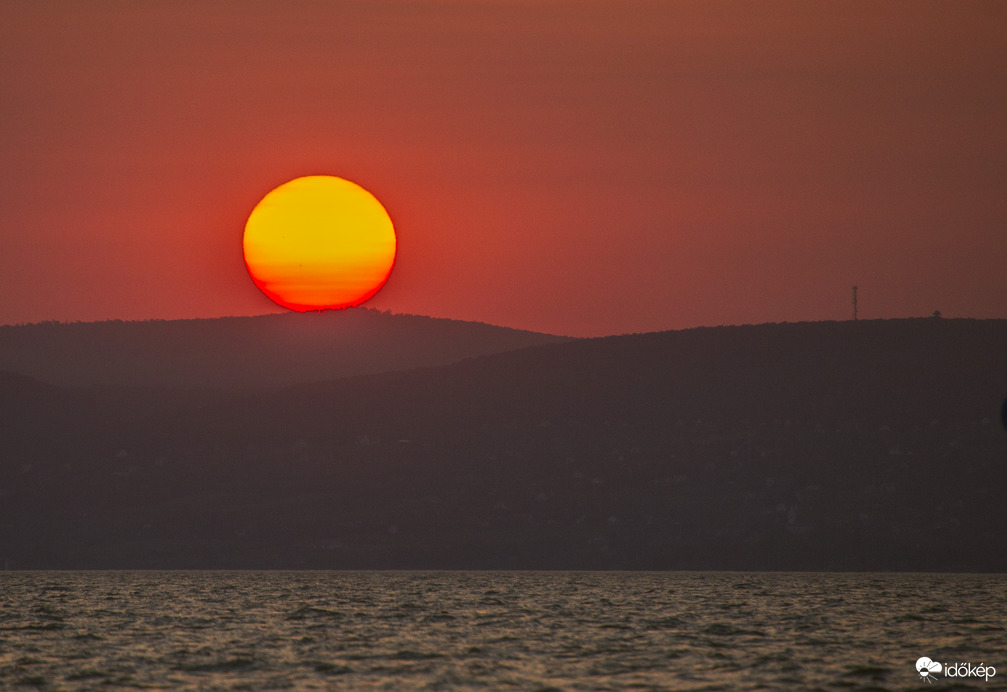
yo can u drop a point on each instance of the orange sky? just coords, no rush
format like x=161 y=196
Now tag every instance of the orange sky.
x=576 y=167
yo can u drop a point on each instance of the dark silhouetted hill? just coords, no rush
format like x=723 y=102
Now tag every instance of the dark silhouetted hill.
x=247 y=352
x=816 y=446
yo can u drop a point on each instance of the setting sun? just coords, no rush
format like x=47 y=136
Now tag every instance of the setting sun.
x=319 y=243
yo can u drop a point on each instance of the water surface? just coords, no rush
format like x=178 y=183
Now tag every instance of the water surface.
x=495 y=630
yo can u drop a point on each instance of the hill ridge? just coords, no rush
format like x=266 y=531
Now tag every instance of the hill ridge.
x=809 y=446
x=247 y=352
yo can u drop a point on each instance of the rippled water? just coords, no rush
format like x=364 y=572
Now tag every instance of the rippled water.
x=494 y=630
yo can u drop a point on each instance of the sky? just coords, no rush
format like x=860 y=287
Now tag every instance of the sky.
x=579 y=167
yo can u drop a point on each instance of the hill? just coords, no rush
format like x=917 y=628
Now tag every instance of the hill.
x=247 y=352
x=816 y=446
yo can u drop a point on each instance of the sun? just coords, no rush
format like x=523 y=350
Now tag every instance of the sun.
x=319 y=243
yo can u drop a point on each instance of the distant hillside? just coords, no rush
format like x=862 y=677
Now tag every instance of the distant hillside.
x=247 y=352
x=818 y=446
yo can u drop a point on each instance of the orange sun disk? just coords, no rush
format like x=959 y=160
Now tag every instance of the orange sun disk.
x=319 y=243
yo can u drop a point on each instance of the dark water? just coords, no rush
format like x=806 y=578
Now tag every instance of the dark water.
x=495 y=630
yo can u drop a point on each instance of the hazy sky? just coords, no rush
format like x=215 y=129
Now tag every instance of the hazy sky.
x=581 y=167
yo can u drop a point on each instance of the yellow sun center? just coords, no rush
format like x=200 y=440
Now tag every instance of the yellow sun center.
x=319 y=242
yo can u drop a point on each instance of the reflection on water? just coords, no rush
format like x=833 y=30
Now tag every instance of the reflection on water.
x=494 y=630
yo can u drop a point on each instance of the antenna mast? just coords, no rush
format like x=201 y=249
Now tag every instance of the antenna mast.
x=854 y=303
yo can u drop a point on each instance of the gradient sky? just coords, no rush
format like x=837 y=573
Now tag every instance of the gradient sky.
x=579 y=167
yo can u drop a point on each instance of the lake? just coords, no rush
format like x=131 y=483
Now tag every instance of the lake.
x=500 y=630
